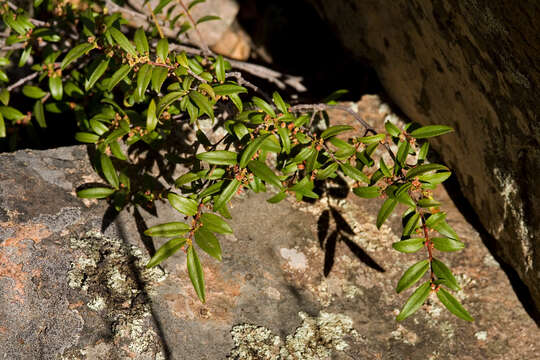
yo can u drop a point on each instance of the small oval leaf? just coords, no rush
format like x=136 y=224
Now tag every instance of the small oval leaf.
x=414 y=302
x=165 y=251
x=453 y=305
x=184 y=205
x=227 y=194
x=409 y=245
x=412 y=275
x=195 y=272
x=444 y=274
x=251 y=149
x=208 y=242
x=447 y=245
x=212 y=222
x=385 y=211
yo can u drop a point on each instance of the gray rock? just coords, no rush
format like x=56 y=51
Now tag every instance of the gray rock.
x=473 y=65
x=70 y=290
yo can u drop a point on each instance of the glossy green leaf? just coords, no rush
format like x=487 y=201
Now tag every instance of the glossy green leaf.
x=382 y=165
x=444 y=229
x=55 y=86
x=435 y=178
x=207 y=18
x=151 y=118
x=435 y=218
x=335 y=130
x=278 y=101
x=33 y=92
x=186 y=179
x=167 y=100
x=161 y=5
x=39 y=114
x=264 y=106
x=96 y=74
x=447 y=244
x=4 y=97
x=168 y=229
x=422 y=154
x=3 y=76
x=412 y=275
x=109 y=171
x=143 y=80
x=443 y=273
x=430 y=131
x=262 y=171
x=453 y=305
x=403 y=151
x=208 y=242
x=214 y=223
x=345 y=150
x=86 y=137
x=141 y=42
x=159 y=74
x=195 y=272
x=367 y=192
x=304 y=154
x=218 y=157
x=392 y=129
x=184 y=205
x=118 y=76
x=11 y=113
x=251 y=149
x=237 y=102
x=95 y=193
x=414 y=302
x=227 y=194
x=426 y=203
x=409 y=245
x=373 y=139
x=277 y=198
x=117 y=151
x=220 y=68
x=162 y=49
x=422 y=169
x=385 y=211
x=411 y=225
x=123 y=41
x=165 y=251
x=229 y=89
x=354 y=173
x=327 y=171
x=76 y=53
x=202 y=102
x=2 y=127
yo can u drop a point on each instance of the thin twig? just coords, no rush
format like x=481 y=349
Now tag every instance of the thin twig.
x=22 y=81
x=155 y=21
x=205 y=48
x=243 y=82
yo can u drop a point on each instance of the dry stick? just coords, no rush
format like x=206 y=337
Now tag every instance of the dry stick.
x=155 y=21
x=22 y=81
x=206 y=49
x=243 y=82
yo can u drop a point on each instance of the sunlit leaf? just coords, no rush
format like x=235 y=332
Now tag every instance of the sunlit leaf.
x=218 y=157
x=214 y=223
x=109 y=171
x=453 y=305
x=335 y=130
x=76 y=53
x=412 y=275
x=123 y=41
x=409 y=245
x=447 y=244
x=183 y=204
x=227 y=194
x=262 y=171
x=166 y=250
x=195 y=272
x=118 y=76
x=95 y=193
x=39 y=114
x=251 y=149
x=414 y=302
x=430 y=131
x=385 y=211
x=367 y=192
x=443 y=273
x=96 y=74
x=208 y=242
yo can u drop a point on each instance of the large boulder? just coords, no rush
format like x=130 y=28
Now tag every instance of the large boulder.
x=73 y=283
x=473 y=65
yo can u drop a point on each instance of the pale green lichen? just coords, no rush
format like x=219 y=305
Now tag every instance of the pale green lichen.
x=315 y=339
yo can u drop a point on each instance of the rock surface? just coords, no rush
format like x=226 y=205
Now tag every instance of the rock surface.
x=72 y=290
x=473 y=65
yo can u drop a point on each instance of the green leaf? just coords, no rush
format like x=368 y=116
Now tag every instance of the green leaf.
x=165 y=251
x=4 y=97
x=426 y=203
x=446 y=244
x=117 y=151
x=141 y=41
x=237 y=101
x=3 y=76
x=430 y=131
x=262 y=171
x=345 y=150
x=335 y=130
x=169 y=229
x=186 y=179
x=194 y=2
x=184 y=205
x=2 y=127
x=220 y=68
x=11 y=113
x=151 y=119
x=39 y=114
x=412 y=275
x=33 y=92
x=422 y=169
x=444 y=229
x=354 y=173
x=118 y=76
x=278 y=101
x=168 y=100
x=277 y=198
x=161 y=5
x=162 y=49
x=386 y=209
x=373 y=139
x=453 y=305
x=229 y=89
x=327 y=171
x=386 y=172
x=411 y=225
x=443 y=273
x=202 y=102
x=392 y=129
x=109 y=171
x=264 y=106
x=403 y=151
x=159 y=74
x=435 y=218
x=251 y=149
x=212 y=189
x=227 y=194
x=195 y=272
x=95 y=193
x=422 y=154
x=97 y=74
x=143 y=79
x=123 y=41
x=435 y=178
x=414 y=302
x=214 y=223
x=208 y=242
x=218 y=157
x=409 y=245
x=86 y=137
x=367 y=192
x=207 y=18
x=55 y=86
x=304 y=154
x=76 y=53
